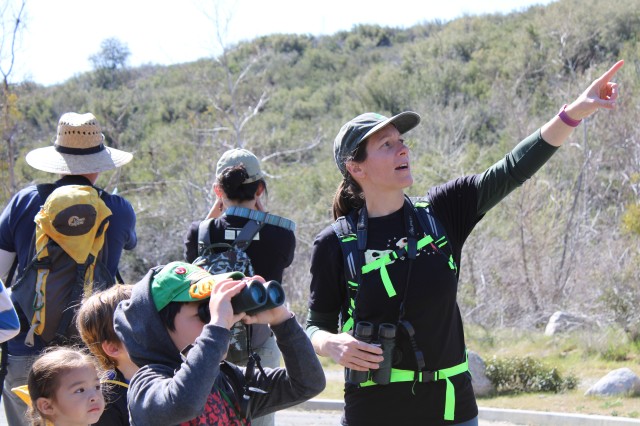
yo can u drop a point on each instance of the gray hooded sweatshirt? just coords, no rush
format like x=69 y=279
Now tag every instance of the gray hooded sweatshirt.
x=170 y=389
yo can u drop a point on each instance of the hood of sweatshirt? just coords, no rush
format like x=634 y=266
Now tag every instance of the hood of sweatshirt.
x=138 y=325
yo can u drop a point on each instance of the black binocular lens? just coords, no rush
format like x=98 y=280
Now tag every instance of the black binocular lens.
x=271 y=295
x=254 y=298
x=275 y=293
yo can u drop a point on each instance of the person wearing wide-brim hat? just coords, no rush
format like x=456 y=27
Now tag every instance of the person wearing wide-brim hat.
x=402 y=266
x=79 y=155
x=79 y=149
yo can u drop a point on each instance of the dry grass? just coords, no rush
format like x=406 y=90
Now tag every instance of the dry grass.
x=571 y=402
x=587 y=357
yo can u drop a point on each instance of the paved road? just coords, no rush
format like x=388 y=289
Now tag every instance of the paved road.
x=294 y=417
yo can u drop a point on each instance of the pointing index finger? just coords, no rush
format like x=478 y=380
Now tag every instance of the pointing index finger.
x=607 y=76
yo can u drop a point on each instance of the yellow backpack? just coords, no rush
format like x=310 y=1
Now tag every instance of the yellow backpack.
x=68 y=262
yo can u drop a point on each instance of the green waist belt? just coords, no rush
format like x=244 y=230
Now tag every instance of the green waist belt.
x=432 y=376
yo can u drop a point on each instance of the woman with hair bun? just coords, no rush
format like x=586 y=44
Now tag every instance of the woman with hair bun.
x=239 y=189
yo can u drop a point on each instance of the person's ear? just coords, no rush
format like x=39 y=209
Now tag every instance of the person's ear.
x=45 y=406
x=260 y=190
x=217 y=189
x=112 y=349
x=355 y=169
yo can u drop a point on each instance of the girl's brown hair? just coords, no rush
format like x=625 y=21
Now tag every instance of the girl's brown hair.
x=94 y=321
x=44 y=376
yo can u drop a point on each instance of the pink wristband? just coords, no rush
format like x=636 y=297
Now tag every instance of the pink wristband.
x=566 y=119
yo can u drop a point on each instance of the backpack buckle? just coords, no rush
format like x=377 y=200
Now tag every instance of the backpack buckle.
x=427 y=376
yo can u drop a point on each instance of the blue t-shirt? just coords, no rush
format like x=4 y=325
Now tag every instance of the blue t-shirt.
x=17 y=228
x=9 y=324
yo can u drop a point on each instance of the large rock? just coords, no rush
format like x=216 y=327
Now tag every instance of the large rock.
x=482 y=386
x=622 y=381
x=562 y=322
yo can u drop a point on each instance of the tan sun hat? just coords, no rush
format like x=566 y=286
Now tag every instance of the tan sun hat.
x=78 y=149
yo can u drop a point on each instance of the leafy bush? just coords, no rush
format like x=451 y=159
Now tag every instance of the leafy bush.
x=615 y=353
x=520 y=375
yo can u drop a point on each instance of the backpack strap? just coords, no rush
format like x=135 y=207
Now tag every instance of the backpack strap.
x=265 y=217
x=432 y=226
x=44 y=190
x=242 y=241
x=344 y=227
x=429 y=223
x=204 y=237
x=248 y=232
x=12 y=272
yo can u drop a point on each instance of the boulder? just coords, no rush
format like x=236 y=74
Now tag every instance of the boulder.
x=482 y=386
x=562 y=322
x=622 y=381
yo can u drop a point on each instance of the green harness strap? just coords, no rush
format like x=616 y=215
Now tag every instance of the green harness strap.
x=432 y=376
x=348 y=324
x=382 y=263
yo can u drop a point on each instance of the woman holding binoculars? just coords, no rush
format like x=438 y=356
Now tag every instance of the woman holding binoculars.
x=239 y=188
x=395 y=261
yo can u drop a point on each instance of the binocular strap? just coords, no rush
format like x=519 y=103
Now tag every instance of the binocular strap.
x=419 y=357
x=249 y=376
x=235 y=378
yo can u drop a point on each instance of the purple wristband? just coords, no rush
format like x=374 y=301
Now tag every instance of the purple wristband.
x=566 y=119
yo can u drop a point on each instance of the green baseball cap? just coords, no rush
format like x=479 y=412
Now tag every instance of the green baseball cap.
x=184 y=282
x=239 y=156
x=363 y=126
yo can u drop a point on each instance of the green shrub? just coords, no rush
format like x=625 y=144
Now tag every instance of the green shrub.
x=520 y=375
x=615 y=353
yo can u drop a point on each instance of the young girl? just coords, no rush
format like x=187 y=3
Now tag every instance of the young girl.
x=94 y=322
x=65 y=389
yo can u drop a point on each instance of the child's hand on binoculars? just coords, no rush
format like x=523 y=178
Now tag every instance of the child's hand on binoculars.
x=352 y=353
x=220 y=303
x=274 y=316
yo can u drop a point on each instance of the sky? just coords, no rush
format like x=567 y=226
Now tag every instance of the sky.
x=60 y=35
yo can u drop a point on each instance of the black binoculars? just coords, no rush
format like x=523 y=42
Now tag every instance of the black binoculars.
x=255 y=297
x=387 y=341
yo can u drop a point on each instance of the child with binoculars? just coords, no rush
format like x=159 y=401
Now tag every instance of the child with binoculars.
x=176 y=329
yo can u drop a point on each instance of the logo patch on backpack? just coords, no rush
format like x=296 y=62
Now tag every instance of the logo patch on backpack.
x=67 y=262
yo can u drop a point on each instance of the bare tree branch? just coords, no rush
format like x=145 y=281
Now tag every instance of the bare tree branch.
x=312 y=145
x=9 y=112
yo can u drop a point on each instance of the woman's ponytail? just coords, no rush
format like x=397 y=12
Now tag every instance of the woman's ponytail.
x=348 y=196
